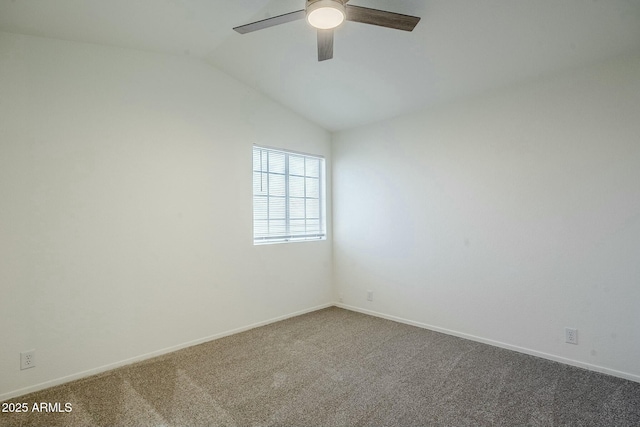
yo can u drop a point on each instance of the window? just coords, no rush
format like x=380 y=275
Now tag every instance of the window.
x=288 y=196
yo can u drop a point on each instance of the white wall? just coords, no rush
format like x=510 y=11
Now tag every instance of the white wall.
x=503 y=218
x=126 y=208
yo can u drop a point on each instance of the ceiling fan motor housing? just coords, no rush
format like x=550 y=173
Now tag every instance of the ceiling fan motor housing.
x=326 y=14
x=340 y=2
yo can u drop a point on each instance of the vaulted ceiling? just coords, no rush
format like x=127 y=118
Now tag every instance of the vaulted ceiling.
x=460 y=47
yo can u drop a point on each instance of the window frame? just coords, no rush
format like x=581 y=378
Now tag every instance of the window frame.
x=289 y=236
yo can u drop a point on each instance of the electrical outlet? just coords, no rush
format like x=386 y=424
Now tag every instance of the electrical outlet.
x=28 y=359
x=369 y=295
x=571 y=335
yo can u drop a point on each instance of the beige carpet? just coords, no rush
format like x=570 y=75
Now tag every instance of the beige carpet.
x=336 y=367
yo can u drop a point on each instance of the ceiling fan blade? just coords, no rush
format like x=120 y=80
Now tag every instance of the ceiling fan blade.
x=325 y=45
x=381 y=18
x=270 y=22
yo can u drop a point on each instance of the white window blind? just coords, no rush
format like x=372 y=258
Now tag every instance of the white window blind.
x=288 y=203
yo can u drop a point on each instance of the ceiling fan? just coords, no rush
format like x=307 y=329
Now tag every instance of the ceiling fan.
x=326 y=15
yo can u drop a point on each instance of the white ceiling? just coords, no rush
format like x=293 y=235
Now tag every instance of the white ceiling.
x=460 y=47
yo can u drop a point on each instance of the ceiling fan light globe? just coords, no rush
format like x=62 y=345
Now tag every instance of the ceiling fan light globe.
x=326 y=14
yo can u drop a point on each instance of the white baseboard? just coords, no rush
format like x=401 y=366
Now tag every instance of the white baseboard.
x=548 y=356
x=94 y=371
